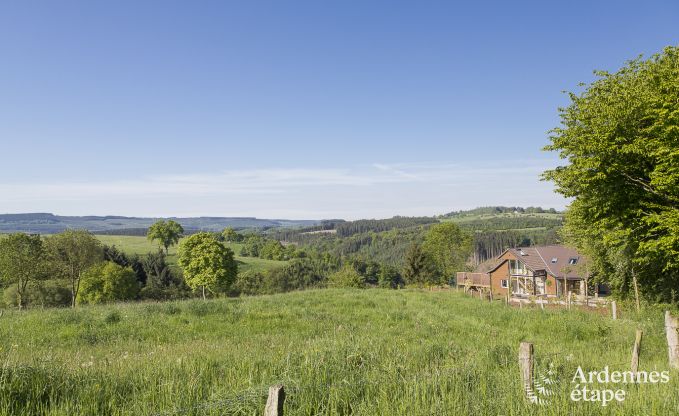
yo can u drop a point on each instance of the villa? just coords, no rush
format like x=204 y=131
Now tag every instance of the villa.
x=547 y=271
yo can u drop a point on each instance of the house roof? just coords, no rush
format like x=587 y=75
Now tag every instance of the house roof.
x=554 y=260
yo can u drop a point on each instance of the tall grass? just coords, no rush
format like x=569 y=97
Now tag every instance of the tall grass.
x=339 y=352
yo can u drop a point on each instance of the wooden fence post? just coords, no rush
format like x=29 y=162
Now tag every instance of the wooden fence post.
x=614 y=310
x=526 y=363
x=635 y=350
x=671 y=328
x=274 y=404
x=568 y=300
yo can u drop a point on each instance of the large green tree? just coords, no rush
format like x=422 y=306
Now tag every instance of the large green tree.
x=207 y=263
x=449 y=248
x=620 y=139
x=71 y=253
x=22 y=260
x=167 y=233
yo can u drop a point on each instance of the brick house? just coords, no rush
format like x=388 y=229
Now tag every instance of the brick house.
x=549 y=271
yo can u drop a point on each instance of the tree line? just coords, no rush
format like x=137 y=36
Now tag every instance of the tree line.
x=494 y=210
x=73 y=267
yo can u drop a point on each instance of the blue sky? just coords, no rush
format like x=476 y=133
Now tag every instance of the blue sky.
x=297 y=109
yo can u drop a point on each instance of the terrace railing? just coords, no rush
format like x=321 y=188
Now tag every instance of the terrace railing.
x=473 y=279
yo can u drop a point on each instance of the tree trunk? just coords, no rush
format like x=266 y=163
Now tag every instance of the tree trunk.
x=20 y=298
x=73 y=293
x=203 y=292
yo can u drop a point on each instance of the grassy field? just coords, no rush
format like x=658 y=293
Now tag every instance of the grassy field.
x=339 y=352
x=141 y=245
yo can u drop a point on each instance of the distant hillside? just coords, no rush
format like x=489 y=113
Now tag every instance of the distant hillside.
x=44 y=223
x=495 y=210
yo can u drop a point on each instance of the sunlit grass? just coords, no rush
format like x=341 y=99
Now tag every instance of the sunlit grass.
x=367 y=352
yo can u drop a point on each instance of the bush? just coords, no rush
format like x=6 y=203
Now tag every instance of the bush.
x=389 y=277
x=298 y=274
x=50 y=293
x=108 y=282
x=249 y=283
x=346 y=277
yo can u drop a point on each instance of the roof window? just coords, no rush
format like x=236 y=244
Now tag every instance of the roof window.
x=573 y=260
x=554 y=259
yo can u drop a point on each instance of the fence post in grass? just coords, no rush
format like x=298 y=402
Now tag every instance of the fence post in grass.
x=614 y=310
x=274 y=404
x=568 y=300
x=671 y=328
x=635 y=350
x=526 y=363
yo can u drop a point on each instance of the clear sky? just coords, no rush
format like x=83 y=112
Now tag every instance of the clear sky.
x=297 y=109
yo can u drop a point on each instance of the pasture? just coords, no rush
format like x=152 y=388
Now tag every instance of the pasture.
x=338 y=352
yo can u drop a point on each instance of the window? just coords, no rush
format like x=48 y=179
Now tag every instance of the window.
x=573 y=260
x=554 y=259
x=503 y=283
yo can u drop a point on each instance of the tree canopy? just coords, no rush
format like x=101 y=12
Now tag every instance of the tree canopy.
x=449 y=247
x=72 y=252
x=167 y=233
x=620 y=138
x=207 y=263
x=108 y=282
x=22 y=260
x=419 y=268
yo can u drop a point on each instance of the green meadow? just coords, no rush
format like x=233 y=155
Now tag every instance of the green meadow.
x=141 y=245
x=338 y=352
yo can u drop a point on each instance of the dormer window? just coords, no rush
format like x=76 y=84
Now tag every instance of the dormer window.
x=554 y=259
x=573 y=260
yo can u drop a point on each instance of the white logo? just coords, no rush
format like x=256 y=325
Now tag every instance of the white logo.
x=539 y=391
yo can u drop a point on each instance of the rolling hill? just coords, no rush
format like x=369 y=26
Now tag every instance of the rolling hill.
x=45 y=223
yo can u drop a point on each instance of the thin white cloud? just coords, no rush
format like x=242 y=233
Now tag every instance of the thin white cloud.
x=372 y=191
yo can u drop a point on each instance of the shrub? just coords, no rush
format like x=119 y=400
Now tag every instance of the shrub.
x=249 y=283
x=50 y=293
x=389 y=277
x=347 y=276
x=108 y=282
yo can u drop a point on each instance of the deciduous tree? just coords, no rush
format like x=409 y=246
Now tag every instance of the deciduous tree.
x=207 y=263
x=449 y=248
x=620 y=141
x=167 y=233
x=72 y=252
x=22 y=260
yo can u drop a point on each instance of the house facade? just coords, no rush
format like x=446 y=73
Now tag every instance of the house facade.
x=546 y=271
